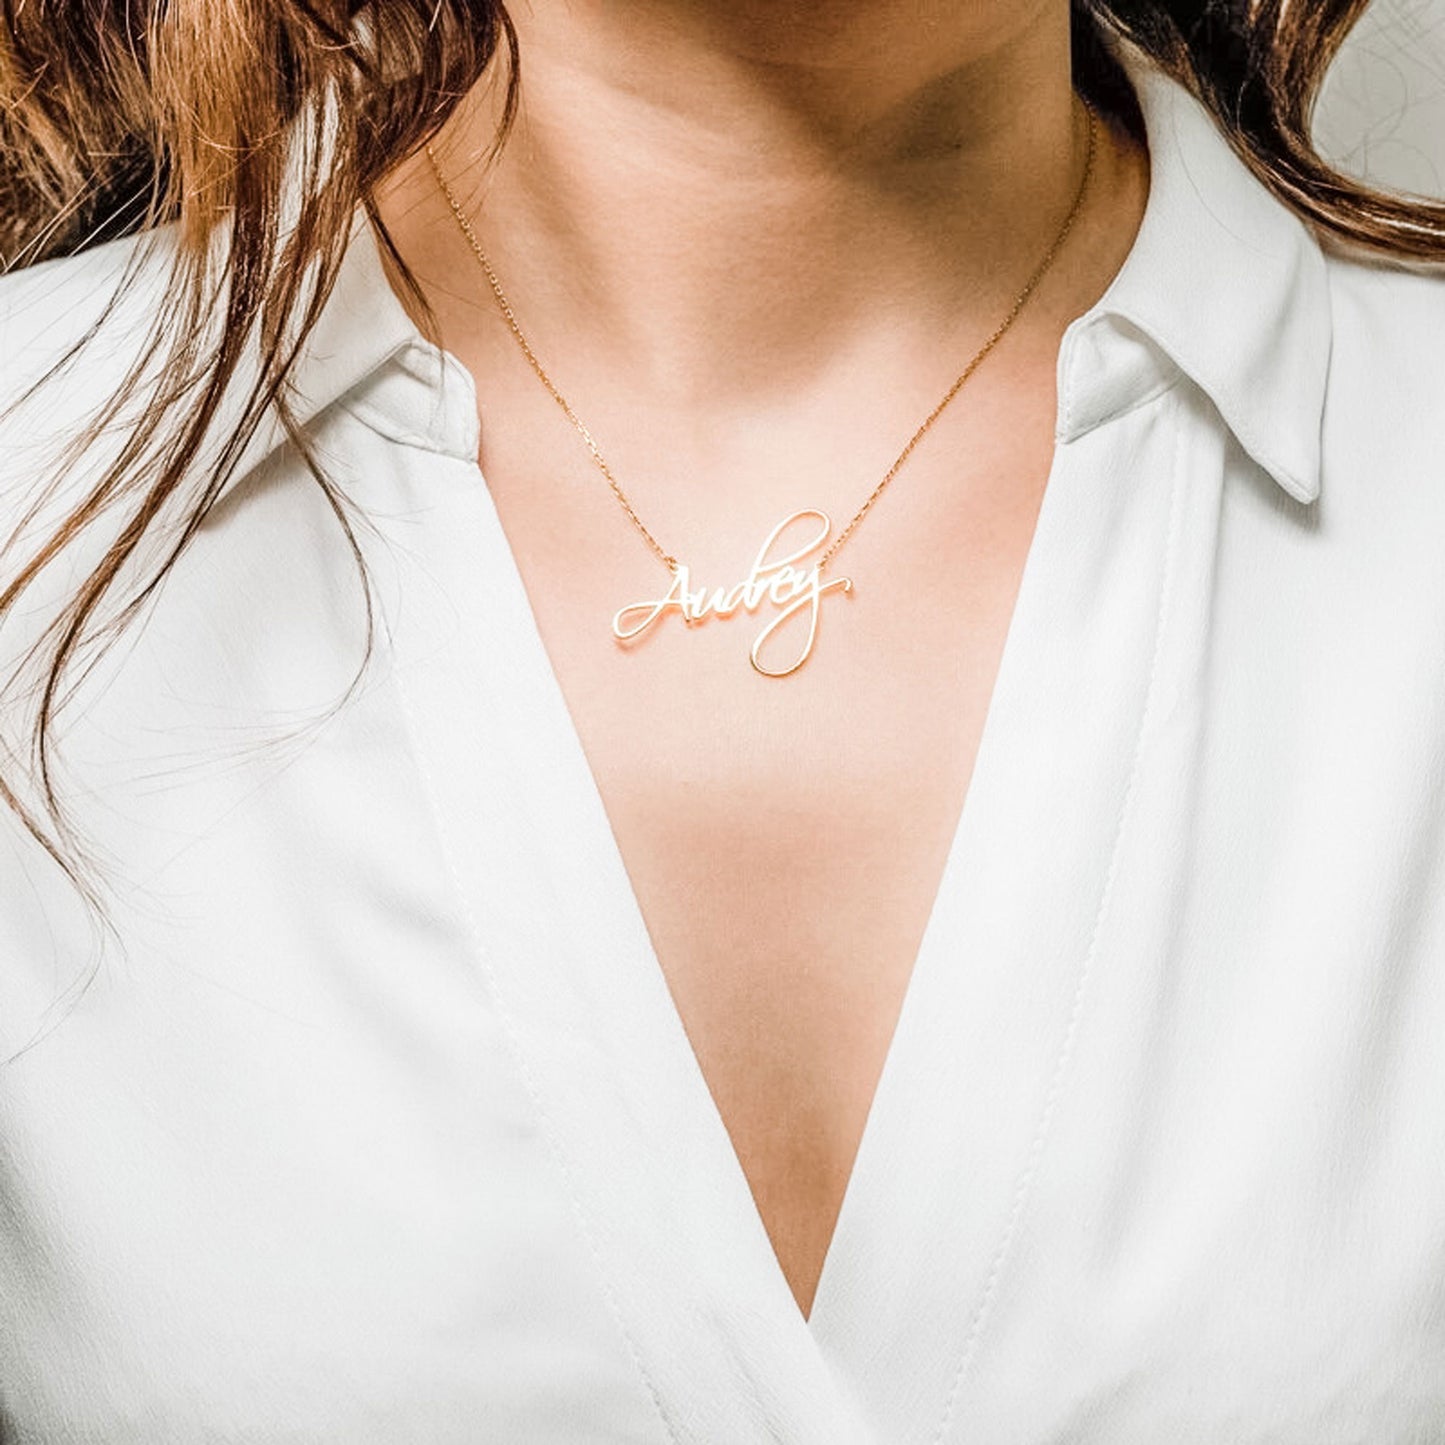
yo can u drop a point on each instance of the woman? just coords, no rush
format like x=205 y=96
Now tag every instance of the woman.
x=639 y=968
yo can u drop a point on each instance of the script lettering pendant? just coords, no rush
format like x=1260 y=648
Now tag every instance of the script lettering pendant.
x=777 y=580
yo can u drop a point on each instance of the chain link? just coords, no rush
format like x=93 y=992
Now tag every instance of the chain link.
x=469 y=232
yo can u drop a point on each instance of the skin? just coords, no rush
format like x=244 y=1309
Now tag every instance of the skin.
x=754 y=243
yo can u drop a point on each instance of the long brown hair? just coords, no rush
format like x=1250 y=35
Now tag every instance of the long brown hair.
x=121 y=116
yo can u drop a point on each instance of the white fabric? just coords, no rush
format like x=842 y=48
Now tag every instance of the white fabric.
x=377 y=1123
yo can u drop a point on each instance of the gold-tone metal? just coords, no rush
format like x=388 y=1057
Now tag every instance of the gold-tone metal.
x=776 y=580
x=779 y=581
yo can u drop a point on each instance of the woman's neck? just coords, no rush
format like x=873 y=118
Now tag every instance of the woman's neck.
x=718 y=201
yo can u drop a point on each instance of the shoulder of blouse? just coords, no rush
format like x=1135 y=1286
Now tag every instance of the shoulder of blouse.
x=71 y=329
x=1387 y=372
x=75 y=328
x=78 y=330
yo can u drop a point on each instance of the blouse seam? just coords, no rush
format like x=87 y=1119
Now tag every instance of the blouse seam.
x=518 y=1053
x=1023 y=1187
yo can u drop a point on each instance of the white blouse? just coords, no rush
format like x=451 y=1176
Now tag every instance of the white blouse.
x=374 y=1120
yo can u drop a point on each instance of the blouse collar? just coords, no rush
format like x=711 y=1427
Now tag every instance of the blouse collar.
x=1223 y=283
x=1226 y=281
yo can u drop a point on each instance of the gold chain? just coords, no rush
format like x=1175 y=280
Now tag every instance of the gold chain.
x=998 y=334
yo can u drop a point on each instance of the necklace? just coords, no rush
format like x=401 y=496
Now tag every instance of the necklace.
x=781 y=580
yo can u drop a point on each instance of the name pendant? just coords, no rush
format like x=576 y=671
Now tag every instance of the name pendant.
x=780 y=581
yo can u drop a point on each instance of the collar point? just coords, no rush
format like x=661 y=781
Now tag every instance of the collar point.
x=1299 y=480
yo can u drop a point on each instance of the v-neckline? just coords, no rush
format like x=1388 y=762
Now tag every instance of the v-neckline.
x=594 y=836
x=563 y=943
